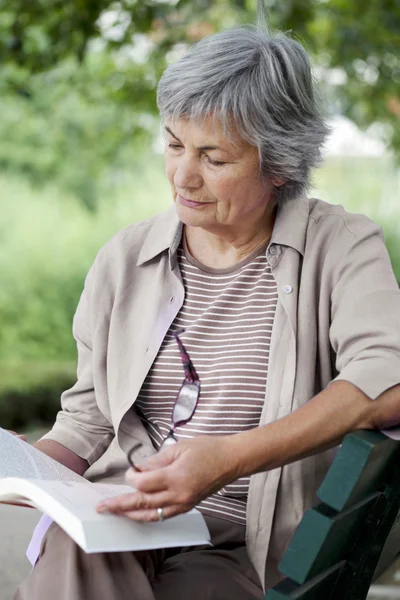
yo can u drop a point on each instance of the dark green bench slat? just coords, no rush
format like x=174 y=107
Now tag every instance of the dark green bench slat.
x=391 y=549
x=349 y=539
x=319 y=588
x=358 y=469
x=323 y=538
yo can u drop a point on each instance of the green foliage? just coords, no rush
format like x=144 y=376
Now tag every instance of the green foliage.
x=30 y=391
x=47 y=244
x=74 y=134
x=369 y=186
x=78 y=79
x=362 y=41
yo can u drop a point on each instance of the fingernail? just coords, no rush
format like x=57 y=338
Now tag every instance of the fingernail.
x=101 y=507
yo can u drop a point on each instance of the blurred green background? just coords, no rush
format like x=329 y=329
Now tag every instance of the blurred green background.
x=80 y=150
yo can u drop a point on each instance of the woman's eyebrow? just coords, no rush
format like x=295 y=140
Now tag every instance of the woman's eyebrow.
x=173 y=135
x=205 y=148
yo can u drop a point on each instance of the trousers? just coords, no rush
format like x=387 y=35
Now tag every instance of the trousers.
x=219 y=572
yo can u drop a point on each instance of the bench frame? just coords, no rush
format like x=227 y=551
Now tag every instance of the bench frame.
x=349 y=539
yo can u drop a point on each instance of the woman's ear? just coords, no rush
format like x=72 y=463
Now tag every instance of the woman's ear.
x=277 y=182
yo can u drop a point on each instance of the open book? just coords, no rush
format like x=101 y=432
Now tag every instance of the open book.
x=30 y=477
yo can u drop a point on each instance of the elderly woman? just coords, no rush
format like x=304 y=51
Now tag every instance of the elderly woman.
x=287 y=307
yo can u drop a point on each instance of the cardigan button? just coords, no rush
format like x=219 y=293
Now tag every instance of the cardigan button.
x=287 y=289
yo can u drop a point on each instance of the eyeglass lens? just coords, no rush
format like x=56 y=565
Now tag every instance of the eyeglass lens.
x=188 y=395
x=186 y=402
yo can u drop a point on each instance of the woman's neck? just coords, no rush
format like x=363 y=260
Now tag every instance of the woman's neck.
x=222 y=252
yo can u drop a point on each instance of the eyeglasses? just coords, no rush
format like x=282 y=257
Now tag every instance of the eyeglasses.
x=185 y=403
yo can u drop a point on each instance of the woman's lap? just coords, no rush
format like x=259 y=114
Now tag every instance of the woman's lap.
x=223 y=571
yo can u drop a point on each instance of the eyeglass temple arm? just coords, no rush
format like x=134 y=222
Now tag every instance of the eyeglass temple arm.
x=190 y=371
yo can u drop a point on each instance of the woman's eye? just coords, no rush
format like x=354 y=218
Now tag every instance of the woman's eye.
x=216 y=163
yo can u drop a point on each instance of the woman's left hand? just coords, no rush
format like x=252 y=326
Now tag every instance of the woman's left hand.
x=177 y=478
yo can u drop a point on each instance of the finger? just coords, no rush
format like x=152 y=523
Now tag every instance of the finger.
x=148 y=516
x=148 y=481
x=20 y=436
x=160 y=460
x=134 y=502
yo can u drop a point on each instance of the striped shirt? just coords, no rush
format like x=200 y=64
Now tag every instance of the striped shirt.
x=227 y=317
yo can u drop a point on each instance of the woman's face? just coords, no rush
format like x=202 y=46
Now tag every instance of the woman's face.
x=215 y=182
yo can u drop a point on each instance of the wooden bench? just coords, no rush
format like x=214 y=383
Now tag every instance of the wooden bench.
x=344 y=543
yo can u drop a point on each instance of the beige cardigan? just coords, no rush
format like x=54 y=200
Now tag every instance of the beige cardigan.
x=338 y=317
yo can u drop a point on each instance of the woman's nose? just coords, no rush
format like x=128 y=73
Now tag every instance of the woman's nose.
x=187 y=174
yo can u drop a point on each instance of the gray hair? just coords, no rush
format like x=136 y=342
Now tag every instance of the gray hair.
x=260 y=82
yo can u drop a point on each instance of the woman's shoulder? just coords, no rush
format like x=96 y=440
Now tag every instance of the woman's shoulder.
x=127 y=244
x=327 y=217
x=337 y=236
x=118 y=262
x=318 y=228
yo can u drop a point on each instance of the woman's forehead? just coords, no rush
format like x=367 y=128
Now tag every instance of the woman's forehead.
x=207 y=134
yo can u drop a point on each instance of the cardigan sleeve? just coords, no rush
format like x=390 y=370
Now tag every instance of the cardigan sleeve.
x=365 y=314
x=81 y=426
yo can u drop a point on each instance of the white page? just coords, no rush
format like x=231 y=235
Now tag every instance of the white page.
x=392 y=432
x=81 y=499
x=20 y=459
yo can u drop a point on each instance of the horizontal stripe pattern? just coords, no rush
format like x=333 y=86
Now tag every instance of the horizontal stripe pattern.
x=227 y=317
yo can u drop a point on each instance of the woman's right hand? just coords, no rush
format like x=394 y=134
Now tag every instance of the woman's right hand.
x=20 y=436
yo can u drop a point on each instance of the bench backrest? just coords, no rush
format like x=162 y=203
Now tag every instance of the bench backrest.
x=345 y=542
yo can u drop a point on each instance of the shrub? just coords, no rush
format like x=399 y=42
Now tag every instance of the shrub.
x=30 y=392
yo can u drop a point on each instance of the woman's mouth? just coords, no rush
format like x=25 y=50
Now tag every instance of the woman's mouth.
x=190 y=203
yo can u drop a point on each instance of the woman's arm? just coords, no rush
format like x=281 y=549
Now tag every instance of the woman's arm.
x=318 y=425
x=180 y=476
x=59 y=453
x=62 y=455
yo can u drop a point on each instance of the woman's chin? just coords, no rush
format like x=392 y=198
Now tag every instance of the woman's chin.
x=192 y=217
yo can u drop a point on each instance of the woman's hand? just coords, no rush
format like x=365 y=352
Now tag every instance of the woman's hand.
x=177 y=478
x=21 y=437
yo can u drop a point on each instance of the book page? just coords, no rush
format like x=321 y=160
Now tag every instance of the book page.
x=20 y=459
x=81 y=498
